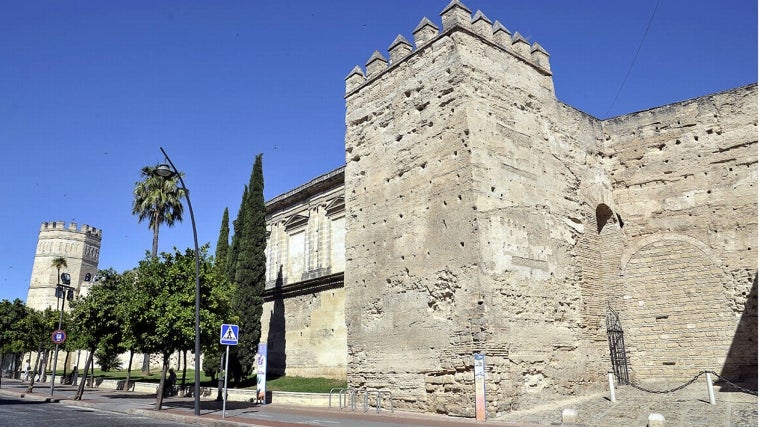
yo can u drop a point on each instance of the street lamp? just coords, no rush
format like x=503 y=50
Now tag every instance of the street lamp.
x=64 y=292
x=166 y=172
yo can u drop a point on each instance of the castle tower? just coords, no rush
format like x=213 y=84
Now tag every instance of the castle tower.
x=80 y=247
x=462 y=213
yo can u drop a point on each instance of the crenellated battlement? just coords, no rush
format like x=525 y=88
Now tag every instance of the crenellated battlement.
x=72 y=227
x=455 y=17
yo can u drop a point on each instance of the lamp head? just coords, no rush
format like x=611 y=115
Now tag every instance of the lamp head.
x=164 y=170
x=66 y=278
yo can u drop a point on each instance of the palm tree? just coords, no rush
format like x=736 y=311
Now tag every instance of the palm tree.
x=58 y=263
x=158 y=200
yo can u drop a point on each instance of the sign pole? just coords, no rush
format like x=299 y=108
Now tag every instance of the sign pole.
x=228 y=335
x=480 y=386
x=261 y=374
x=226 y=371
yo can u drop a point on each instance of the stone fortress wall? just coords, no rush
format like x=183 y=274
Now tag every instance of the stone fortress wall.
x=684 y=178
x=80 y=246
x=484 y=215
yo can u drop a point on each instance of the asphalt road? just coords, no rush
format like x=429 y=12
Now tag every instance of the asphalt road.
x=26 y=413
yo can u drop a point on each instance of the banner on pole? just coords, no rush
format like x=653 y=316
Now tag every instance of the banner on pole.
x=480 y=386
x=261 y=373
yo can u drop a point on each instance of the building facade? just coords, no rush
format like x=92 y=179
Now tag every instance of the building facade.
x=303 y=322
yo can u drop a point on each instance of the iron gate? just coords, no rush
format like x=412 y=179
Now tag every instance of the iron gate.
x=617 y=347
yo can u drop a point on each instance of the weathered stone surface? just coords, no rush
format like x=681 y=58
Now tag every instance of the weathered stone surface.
x=485 y=215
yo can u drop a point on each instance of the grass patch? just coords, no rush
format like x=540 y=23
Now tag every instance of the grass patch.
x=285 y=383
x=155 y=376
x=304 y=385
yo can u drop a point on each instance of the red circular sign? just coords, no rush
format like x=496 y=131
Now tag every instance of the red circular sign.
x=58 y=336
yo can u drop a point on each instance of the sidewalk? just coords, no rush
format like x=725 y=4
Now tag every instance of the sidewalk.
x=181 y=409
x=687 y=407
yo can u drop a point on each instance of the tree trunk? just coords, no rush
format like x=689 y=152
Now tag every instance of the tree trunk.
x=184 y=370
x=80 y=389
x=220 y=383
x=43 y=369
x=65 y=362
x=146 y=364
x=129 y=370
x=30 y=389
x=160 y=391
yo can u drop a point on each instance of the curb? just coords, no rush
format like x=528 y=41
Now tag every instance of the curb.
x=188 y=419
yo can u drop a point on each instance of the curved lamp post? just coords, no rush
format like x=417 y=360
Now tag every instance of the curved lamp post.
x=166 y=172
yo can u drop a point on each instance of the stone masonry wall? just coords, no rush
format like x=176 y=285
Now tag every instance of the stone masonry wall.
x=468 y=187
x=410 y=244
x=533 y=159
x=685 y=179
x=485 y=215
x=307 y=333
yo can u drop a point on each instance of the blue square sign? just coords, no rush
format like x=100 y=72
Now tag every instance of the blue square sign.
x=229 y=335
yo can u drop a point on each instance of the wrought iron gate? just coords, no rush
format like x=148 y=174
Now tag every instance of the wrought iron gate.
x=617 y=347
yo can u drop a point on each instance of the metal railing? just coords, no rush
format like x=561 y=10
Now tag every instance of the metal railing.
x=347 y=397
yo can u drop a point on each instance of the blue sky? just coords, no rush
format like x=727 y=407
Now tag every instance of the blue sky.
x=89 y=91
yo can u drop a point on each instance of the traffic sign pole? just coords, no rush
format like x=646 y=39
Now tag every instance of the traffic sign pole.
x=228 y=335
x=226 y=372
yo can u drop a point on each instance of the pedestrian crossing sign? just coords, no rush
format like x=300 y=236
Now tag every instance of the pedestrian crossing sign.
x=229 y=335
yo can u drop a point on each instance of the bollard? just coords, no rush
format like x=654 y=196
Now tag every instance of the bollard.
x=656 y=420
x=611 y=381
x=569 y=416
x=710 y=391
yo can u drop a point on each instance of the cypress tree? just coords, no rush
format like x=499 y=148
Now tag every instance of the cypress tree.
x=250 y=268
x=222 y=244
x=234 y=248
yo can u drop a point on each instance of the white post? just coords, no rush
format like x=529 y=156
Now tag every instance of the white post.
x=611 y=381
x=226 y=370
x=710 y=391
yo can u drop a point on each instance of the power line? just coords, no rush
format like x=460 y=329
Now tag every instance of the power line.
x=633 y=61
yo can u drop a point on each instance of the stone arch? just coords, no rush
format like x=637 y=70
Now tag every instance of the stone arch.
x=674 y=313
x=648 y=240
x=599 y=247
x=603 y=216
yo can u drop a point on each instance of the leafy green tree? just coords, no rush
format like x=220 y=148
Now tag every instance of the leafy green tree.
x=159 y=200
x=250 y=268
x=96 y=325
x=12 y=334
x=126 y=309
x=39 y=325
x=166 y=288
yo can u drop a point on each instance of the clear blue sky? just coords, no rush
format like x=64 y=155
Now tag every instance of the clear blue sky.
x=89 y=91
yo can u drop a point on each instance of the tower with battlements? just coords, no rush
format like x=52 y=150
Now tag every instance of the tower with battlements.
x=79 y=246
x=484 y=215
